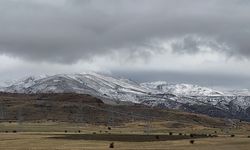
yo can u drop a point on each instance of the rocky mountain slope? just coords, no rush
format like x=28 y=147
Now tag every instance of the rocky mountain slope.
x=186 y=97
x=181 y=89
x=82 y=108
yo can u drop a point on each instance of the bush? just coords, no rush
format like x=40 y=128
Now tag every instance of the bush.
x=94 y=132
x=248 y=136
x=170 y=133
x=109 y=128
x=232 y=135
x=191 y=141
x=180 y=133
x=157 y=137
x=111 y=145
x=79 y=131
x=65 y=131
x=14 y=131
x=191 y=135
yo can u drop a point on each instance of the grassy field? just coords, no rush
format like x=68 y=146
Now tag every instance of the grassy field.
x=80 y=122
x=64 y=136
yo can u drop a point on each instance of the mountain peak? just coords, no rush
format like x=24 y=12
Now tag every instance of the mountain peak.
x=113 y=89
x=182 y=89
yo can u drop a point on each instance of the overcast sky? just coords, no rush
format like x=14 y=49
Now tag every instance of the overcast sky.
x=206 y=42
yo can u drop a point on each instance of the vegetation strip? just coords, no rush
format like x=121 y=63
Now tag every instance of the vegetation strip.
x=127 y=137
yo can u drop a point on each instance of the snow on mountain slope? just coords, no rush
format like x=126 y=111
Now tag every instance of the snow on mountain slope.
x=4 y=84
x=181 y=89
x=157 y=94
x=104 y=85
x=243 y=92
x=87 y=83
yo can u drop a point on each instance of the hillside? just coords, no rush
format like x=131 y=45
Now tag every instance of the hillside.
x=77 y=108
x=115 y=90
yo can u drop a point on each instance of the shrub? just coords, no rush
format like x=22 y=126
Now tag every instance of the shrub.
x=248 y=136
x=65 y=131
x=191 y=141
x=191 y=135
x=94 y=132
x=14 y=131
x=109 y=128
x=157 y=137
x=79 y=131
x=111 y=145
x=170 y=133
x=180 y=133
x=232 y=135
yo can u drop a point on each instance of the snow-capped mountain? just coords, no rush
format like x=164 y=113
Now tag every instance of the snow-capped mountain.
x=181 y=89
x=242 y=92
x=187 y=97
x=86 y=83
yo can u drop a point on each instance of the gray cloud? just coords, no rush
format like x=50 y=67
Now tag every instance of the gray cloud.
x=68 y=30
x=214 y=80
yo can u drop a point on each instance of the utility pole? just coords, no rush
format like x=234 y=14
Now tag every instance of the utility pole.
x=111 y=117
x=2 y=112
x=132 y=117
x=19 y=119
x=82 y=116
x=20 y=116
x=147 y=128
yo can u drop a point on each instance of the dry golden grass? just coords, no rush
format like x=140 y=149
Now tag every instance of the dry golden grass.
x=21 y=141
x=34 y=136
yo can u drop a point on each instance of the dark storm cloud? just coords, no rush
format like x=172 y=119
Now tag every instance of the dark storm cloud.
x=68 y=30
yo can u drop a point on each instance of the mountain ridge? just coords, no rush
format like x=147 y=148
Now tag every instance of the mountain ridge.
x=187 y=97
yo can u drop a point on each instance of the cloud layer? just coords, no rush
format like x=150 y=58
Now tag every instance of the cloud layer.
x=66 y=31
